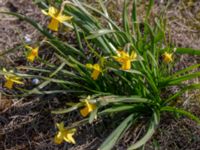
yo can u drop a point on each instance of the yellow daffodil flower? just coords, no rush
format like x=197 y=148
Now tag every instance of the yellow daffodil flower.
x=57 y=18
x=88 y=107
x=125 y=59
x=167 y=57
x=33 y=53
x=64 y=134
x=11 y=79
x=96 y=70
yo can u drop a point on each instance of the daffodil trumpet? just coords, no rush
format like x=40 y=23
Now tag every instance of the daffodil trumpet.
x=88 y=107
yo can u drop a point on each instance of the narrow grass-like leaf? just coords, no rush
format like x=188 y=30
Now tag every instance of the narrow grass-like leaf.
x=99 y=33
x=119 y=108
x=148 y=135
x=67 y=110
x=124 y=99
x=182 y=112
x=112 y=139
x=190 y=87
x=93 y=115
x=148 y=10
x=190 y=51
x=186 y=70
x=178 y=80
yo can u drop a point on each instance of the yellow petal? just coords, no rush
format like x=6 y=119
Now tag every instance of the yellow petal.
x=84 y=111
x=95 y=74
x=30 y=57
x=63 y=18
x=16 y=81
x=133 y=55
x=118 y=59
x=58 y=139
x=60 y=126
x=52 y=11
x=9 y=84
x=28 y=47
x=167 y=57
x=4 y=70
x=89 y=66
x=44 y=12
x=96 y=67
x=53 y=25
x=69 y=138
x=90 y=106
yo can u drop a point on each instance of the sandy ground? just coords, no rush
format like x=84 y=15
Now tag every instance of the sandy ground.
x=28 y=124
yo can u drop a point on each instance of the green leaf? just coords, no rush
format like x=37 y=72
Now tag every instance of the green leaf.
x=93 y=115
x=99 y=33
x=125 y=17
x=186 y=69
x=151 y=3
x=178 y=80
x=67 y=110
x=148 y=135
x=181 y=111
x=119 y=108
x=190 y=87
x=189 y=51
x=125 y=99
x=112 y=139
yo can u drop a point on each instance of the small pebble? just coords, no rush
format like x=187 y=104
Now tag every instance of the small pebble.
x=27 y=38
x=36 y=81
